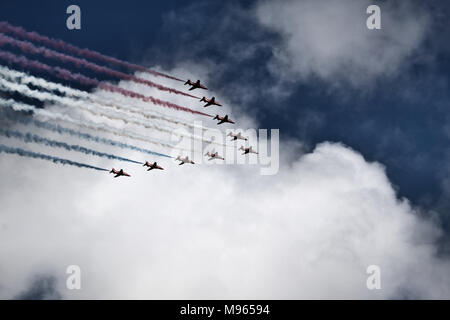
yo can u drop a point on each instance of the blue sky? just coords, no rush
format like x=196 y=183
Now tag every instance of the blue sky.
x=398 y=117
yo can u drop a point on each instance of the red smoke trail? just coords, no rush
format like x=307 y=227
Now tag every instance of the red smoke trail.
x=5 y=27
x=28 y=47
x=41 y=67
x=153 y=100
x=67 y=75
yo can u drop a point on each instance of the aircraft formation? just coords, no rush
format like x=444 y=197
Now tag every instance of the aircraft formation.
x=23 y=75
x=211 y=155
x=209 y=102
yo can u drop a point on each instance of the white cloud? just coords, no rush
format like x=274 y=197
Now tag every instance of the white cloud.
x=329 y=40
x=215 y=231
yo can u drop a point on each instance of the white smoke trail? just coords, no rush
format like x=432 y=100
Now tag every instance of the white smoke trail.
x=23 y=78
x=17 y=106
x=49 y=97
x=97 y=111
x=78 y=134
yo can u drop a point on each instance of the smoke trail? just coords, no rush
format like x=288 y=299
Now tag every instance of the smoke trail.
x=41 y=67
x=29 y=48
x=45 y=96
x=35 y=155
x=84 y=124
x=82 y=135
x=33 y=138
x=5 y=27
x=151 y=99
x=67 y=75
x=23 y=78
x=48 y=85
x=86 y=136
x=48 y=97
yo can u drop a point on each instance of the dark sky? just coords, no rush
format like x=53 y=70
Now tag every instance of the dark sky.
x=405 y=133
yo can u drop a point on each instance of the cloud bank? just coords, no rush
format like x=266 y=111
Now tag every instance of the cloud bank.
x=329 y=40
x=218 y=232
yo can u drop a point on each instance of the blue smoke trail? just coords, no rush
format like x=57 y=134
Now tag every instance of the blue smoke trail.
x=35 y=155
x=29 y=137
